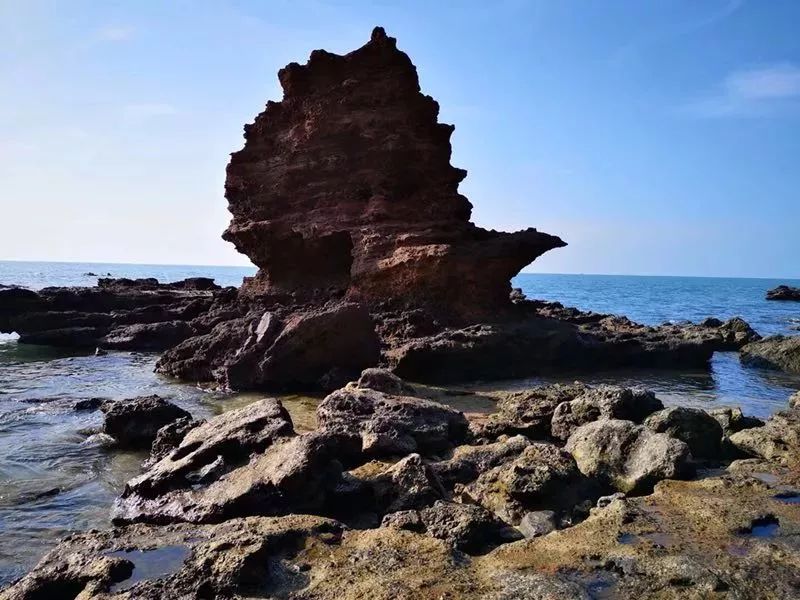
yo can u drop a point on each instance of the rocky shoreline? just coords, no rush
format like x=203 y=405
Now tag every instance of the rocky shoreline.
x=566 y=491
x=373 y=282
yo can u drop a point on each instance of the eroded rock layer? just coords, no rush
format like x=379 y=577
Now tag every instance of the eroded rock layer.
x=346 y=187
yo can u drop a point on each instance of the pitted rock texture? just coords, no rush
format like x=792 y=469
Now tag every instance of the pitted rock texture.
x=346 y=187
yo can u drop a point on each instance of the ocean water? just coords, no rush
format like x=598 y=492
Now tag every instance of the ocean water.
x=56 y=478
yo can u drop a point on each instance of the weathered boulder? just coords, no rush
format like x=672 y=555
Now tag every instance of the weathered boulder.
x=391 y=425
x=135 y=423
x=543 y=477
x=776 y=352
x=732 y=419
x=778 y=439
x=466 y=527
x=293 y=475
x=527 y=412
x=284 y=349
x=468 y=462
x=603 y=402
x=234 y=436
x=784 y=292
x=628 y=457
x=408 y=484
x=701 y=431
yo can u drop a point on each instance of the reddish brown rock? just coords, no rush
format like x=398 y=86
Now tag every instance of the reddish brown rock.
x=346 y=187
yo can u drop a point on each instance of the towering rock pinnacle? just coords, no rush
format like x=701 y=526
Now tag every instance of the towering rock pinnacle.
x=345 y=188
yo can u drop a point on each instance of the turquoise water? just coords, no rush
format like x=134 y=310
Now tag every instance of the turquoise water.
x=53 y=479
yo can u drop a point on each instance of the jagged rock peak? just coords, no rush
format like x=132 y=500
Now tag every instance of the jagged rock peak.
x=345 y=187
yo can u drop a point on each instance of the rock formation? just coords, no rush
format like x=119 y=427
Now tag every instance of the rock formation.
x=345 y=198
x=219 y=514
x=784 y=292
x=119 y=314
x=776 y=352
x=345 y=187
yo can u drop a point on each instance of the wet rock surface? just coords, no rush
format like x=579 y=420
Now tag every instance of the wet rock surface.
x=510 y=518
x=135 y=423
x=140 y=314
x=784 y=292
x=776 y=352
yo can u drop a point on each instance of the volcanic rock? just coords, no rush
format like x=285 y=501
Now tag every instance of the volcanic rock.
x=543 y=477
x=391 y=425
x=701 y=431
x=628 y=457
x=776 y=352
x=784 y=292
x=603 y=402
x=234 y=436
x=135 y=423
x=121 y=314
x=733 y=420
x=280 y=349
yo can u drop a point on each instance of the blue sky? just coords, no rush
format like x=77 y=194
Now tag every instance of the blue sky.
x=655 y=137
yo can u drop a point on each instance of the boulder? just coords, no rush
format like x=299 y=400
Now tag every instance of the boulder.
x=784 y=292
x=527 y=412
x=147 y=336
x=135 y=423
x=283 y=349
x=391 y=425
x=538 y=523
x=603 y=402
x=293 y=475
x=776 y=352
x=701 y=431
x=466 y=527
x=468 y=462
x=234 y=436
x=543 y=477
x=628 y=457
x=408 y=484
x=733 y=420
x=778 y=439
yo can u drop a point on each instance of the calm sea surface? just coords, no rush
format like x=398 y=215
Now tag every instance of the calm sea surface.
x=54 y=478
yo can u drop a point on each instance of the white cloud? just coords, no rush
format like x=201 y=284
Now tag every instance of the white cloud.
x=758 y=92
x=146 y=110
x=115 y=33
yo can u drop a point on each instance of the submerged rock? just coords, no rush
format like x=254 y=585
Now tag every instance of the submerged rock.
x=776 y=352
x=135 y=423
x=628 y=457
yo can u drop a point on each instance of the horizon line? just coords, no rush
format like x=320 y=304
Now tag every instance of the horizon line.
x=585 y=274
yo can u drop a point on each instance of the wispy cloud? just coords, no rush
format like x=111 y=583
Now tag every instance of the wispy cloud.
x=758 y=92
x=147 y=110
x=115 y=33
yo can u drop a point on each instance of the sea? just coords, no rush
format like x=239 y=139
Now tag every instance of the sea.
x=57 y=478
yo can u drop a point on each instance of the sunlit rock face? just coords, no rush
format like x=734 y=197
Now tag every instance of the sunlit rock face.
x=345 y=188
